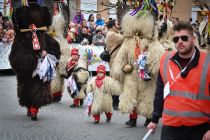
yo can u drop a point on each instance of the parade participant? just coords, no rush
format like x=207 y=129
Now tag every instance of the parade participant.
x=182 y=96
x=203 y=32
x=78 y=76
x=31 y=44
x=113 y=42
x=140 y=42
x=57 y=84
x=164 y=25
x=165 y=32
x=102 y=87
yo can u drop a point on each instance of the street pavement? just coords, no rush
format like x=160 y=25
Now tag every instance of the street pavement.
x=60 y=122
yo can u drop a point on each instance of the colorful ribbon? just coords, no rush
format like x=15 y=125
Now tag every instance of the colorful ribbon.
x=89 y=55
x=145 y=6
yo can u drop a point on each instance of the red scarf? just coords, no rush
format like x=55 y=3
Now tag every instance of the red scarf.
x=99 y=81
x=71 y=64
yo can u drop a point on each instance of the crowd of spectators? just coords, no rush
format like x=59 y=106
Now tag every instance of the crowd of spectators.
x=6 y=29
x=91 y=31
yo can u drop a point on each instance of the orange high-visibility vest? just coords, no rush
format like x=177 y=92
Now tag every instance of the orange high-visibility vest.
x=188 y=103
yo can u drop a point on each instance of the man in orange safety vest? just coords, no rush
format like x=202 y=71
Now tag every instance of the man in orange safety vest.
x=182 y=96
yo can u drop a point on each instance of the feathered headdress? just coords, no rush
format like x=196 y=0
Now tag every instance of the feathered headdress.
x=145 y=6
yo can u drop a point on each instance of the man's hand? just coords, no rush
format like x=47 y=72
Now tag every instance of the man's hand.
x=152 y=125
x=206 y=136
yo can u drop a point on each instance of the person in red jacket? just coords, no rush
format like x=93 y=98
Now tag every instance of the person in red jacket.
x=182 y=96
x=74 y=59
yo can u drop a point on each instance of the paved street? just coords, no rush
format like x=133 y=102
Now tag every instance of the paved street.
x=59 y=122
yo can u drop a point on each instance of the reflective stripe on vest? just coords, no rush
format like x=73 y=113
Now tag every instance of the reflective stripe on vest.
x=166 y=63
x=203 y=75
x=199 y=96
x=186 y=114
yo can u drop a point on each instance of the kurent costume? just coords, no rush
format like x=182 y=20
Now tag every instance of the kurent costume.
x=57 y=84
x=165 y=34
x=102 y=88
x=30 y=42
x=203 y=27
x=164 y=25
x=136 y=66
x=78 y=76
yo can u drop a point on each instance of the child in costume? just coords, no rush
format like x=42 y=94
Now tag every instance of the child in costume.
x=78 y=76
x=102 y=87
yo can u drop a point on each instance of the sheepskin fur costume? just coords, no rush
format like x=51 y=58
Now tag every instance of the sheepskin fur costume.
x=137 y=93
x=165 y=31
x=81 y=73
x=102 y=101
x=57 y=84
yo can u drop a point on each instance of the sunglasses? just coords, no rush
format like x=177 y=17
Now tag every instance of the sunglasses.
x=183 y=38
